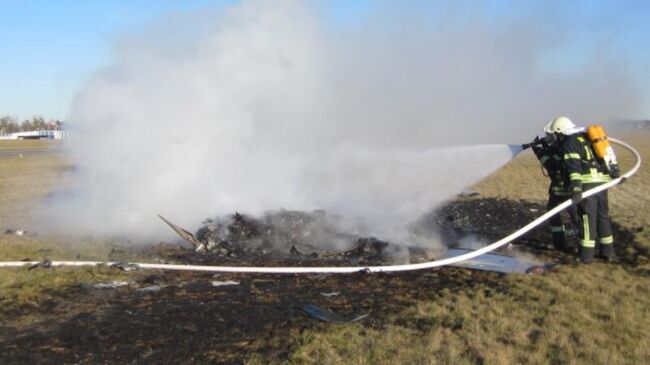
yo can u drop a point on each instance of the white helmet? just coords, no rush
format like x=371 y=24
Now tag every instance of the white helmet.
x=562 y=125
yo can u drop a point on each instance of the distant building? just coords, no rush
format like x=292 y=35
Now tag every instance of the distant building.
x=41 y=134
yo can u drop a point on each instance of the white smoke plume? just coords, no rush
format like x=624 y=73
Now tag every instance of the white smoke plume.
x=267 y=105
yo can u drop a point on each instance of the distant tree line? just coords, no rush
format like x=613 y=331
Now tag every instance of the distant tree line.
x=12 y=125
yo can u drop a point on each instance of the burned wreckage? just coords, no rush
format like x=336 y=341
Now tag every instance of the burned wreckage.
x=308 y=238
x=288 y=234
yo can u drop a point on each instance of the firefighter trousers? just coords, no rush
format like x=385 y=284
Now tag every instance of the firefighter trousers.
x=595 y=224
x=558 y=231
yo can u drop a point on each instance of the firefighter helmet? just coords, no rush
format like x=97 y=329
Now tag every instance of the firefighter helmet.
x=561 y=125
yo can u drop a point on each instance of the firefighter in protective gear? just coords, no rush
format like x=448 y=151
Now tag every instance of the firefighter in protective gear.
x=583 y=171
x=558 y=192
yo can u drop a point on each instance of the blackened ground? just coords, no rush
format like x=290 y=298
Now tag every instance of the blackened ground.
x=190 y=321
x=493 y=218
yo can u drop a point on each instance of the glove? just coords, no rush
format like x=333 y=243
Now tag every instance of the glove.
x=535 y=145
x=576 y=197
x=576 y=191
x=614 y=171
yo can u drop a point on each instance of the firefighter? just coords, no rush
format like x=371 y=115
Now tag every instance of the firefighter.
x=583 y=171
x=558 y=192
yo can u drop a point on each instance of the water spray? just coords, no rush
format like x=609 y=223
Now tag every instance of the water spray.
x=367 y=269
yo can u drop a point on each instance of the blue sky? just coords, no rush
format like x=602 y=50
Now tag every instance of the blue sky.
x=50 y=48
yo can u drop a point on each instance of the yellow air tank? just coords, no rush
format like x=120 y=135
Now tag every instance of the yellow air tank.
x=603 y=149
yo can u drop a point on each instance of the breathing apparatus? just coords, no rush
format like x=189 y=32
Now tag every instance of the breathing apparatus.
x=603 y=149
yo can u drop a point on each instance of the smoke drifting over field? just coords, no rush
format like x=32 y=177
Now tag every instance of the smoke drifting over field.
x=270 y=105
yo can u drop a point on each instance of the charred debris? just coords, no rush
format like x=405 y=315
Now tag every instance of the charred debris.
x=286 y=234
x=315 y=238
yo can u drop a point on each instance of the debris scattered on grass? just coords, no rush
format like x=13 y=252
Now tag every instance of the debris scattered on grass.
x=492 y=262
x=150 y=289
x=152 y=279
x=264 y=284
x=106 y=285
x=217 y=283
x=45 y=264
x=125 y=266
x=329 y=295
x=541 y=269
x=328 y=316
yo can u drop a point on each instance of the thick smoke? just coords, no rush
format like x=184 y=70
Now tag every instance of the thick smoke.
x=269 y=105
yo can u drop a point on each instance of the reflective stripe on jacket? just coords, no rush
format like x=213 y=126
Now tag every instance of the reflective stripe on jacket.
x=580 y=163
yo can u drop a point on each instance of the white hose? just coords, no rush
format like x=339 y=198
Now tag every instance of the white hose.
x=387 y=268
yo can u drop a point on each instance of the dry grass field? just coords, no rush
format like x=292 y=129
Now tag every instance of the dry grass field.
x=27 y=174
x=595 y=314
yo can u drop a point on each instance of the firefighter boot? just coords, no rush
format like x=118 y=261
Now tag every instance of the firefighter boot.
x=586 y=254
x=607 y=252
x=559 y=241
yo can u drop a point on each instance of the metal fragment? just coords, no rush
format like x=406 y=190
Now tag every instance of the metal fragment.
x=217 y=283
x=125 y=266
x=329 y=316
x=329 y=295
x=45 y=264
x=186 y=235
x=106 y=285
x=149 y=289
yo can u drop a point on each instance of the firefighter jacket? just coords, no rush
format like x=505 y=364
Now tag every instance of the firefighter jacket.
x=552 y=161
x=581 y=166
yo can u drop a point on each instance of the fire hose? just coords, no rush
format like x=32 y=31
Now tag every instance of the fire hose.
x=368 y=269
